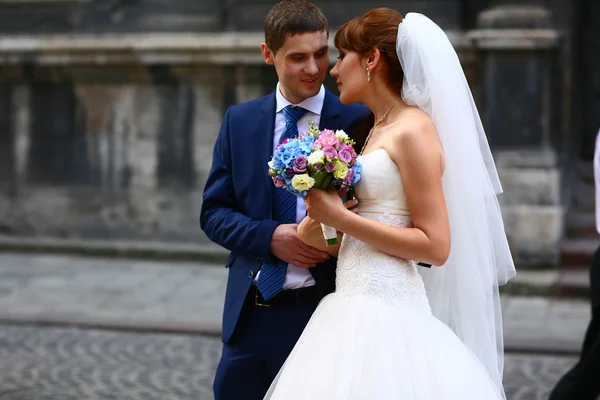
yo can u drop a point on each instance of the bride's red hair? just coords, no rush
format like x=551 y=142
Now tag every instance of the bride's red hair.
x=377 y=28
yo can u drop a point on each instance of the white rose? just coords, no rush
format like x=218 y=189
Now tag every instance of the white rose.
x=341 y=135
x=316 y=157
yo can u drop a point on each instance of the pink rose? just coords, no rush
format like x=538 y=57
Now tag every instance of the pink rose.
x=300 y=164
x=349 y=178
x=345 y=156
x=351 y=150
x=330 y=152
x=278 y=182
x=327 y=140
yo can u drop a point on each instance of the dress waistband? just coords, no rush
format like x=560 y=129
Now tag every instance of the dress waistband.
x=382 y=207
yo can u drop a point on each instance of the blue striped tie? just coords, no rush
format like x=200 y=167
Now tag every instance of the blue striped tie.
x=272 y=276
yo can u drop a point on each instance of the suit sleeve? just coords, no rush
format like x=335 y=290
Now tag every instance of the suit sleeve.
x=220 y=217
x=597 y=180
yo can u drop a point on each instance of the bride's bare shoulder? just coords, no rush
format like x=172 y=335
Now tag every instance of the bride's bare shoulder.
x=414 y=133
x=413 y=118
x=413 y=124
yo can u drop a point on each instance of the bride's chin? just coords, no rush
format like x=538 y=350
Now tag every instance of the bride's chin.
x=345 y=99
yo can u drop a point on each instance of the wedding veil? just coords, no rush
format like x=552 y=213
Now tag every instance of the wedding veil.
x=463 y=293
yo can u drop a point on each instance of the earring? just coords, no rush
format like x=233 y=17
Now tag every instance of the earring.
x=368 y=74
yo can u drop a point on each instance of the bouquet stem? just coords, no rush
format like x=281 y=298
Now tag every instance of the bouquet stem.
x=322 y=181
x=330 y=235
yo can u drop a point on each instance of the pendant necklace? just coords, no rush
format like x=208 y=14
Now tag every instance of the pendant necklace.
x=379 y=121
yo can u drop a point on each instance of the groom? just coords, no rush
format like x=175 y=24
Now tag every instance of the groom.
x=275 y=280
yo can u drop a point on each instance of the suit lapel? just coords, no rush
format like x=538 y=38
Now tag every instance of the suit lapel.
x=266 y=127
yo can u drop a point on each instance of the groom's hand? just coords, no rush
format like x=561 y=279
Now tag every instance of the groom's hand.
x=286 y=246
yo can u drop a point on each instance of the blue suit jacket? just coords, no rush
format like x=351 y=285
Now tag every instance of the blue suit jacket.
x=237 y=203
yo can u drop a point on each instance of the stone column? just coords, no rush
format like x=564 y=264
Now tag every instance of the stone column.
x=57 y=153
x=249 y=84
x=517 y=45
x=7 y=160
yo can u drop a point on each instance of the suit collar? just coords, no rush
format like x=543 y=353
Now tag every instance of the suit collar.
x=268 y=105
x=331 y=107
x=313 y=104
x=330 y=116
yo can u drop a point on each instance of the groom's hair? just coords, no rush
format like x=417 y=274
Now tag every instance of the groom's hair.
x=292 y=17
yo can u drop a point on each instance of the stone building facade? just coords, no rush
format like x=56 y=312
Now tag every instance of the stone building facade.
x=109 y=109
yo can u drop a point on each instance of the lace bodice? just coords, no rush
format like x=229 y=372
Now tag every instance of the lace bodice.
x=362 y=269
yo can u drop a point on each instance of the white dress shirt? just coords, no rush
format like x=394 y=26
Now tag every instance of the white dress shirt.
x=597 y=179
x=297 y=277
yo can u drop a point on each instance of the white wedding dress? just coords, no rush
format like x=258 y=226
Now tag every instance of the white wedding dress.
x=375 y=337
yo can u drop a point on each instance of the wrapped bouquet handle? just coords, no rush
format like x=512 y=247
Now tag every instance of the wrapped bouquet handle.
x=322 y=182
x=330 y=235
x=311 y=233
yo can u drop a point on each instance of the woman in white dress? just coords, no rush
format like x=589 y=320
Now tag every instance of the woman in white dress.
x=393 y=330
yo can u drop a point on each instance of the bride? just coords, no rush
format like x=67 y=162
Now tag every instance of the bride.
x=393 y=330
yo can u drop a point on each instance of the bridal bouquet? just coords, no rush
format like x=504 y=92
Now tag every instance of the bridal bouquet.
x=316 y=159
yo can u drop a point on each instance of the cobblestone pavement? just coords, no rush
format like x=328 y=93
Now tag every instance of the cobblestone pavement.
x=43 y=363
x=71 y=364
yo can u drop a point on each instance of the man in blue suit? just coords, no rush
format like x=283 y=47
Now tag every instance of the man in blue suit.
x=275 y=280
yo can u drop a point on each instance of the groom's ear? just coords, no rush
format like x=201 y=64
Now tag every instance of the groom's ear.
x=267 y=54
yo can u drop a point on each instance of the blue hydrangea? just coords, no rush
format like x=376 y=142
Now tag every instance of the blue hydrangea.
x=306 y=144
x=289 y=152
x=357 y=171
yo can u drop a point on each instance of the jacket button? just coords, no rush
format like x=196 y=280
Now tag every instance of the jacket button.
x=251 y=274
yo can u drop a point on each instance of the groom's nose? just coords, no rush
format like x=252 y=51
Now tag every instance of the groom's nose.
x=312 y=67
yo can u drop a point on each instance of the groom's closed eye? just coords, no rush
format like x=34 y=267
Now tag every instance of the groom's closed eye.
x=297 y=56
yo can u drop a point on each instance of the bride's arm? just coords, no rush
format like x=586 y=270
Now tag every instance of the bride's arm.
x=418 y=154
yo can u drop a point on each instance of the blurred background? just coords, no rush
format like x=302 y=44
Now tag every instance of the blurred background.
x=108 y=113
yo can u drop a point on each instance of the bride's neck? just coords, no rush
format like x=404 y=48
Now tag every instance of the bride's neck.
x=380 y=100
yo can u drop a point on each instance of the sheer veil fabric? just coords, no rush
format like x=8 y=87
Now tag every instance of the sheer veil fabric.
x=463 y=293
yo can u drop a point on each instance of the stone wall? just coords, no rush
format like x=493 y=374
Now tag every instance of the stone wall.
x=112 y=137
x=110 y=16
x=109 y=109
x=111 y=152
x=127 y=16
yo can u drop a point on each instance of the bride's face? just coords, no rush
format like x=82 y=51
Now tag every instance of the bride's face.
x=350 y=75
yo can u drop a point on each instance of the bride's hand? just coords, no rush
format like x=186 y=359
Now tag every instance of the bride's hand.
x=326 y=206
